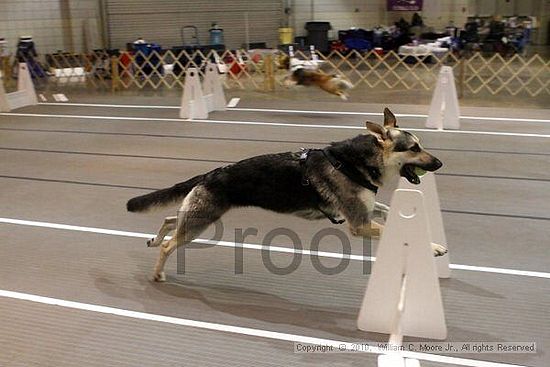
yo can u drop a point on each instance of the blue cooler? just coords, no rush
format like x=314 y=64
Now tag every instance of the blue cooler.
x=216 y=35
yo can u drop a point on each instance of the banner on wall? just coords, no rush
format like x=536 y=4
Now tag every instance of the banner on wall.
x=404 y=5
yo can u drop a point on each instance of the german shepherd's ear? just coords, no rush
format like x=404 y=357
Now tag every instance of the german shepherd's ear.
x=377 y=130
x=389 y=118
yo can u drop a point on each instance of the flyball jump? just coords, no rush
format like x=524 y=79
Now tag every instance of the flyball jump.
x=198 y=98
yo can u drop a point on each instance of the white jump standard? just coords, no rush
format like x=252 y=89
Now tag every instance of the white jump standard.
x=25 y=94
x=198 y=100
x=428 y=188
x=444 y=111
x=403 y=295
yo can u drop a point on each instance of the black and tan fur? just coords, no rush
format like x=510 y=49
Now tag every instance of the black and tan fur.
x=275 y=182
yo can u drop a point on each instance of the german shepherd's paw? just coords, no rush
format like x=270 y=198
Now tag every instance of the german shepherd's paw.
x=439 y=250
x=159 y=277
x=371 y=230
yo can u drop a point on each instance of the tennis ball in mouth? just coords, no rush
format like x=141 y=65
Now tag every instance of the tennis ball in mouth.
x=419 y=171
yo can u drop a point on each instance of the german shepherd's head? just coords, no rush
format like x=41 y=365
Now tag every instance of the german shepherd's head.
x=402 y=150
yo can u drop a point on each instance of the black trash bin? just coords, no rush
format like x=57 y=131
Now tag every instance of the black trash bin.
x=317 y=35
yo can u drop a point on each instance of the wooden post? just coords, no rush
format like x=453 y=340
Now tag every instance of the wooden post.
x=87 y=62
x=6 y=69
x=115 y=77
x=269 y=81
x=461 y=76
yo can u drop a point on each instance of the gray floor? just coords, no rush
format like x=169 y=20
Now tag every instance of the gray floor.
x=72 y=170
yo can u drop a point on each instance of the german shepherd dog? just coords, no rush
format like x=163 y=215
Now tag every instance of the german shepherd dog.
x=333 y=84
x=338 y=181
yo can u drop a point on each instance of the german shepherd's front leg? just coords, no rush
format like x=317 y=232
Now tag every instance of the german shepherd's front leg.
x=370 y=229
x=359 y=217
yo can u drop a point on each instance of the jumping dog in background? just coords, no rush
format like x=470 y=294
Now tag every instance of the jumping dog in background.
x=300 y=75
x=338 y=181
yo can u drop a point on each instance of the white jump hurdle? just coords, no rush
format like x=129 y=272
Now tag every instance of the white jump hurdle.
x=200 y=99
x=313 y=53
x=296 y=63
x=25 y=94
x=444 y=111
x=428 y=188
x=403 y=295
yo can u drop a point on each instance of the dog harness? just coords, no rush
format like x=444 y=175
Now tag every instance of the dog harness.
x=348 y=170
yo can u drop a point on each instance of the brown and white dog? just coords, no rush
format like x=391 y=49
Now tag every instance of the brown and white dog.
x=299 y=75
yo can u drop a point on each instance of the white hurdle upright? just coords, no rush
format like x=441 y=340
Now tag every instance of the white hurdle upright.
x=213 y=90
x=296 y=63
x=196 y=101
x=313 y=53
x=290 y=51
x=428 y=187
x=25 y=94
x=403 y=296
x=444 y=111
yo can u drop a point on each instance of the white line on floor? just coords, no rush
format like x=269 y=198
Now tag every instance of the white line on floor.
x=236 y=122
x=239 y=329
x=381 y=114
x=109 y=105
x=68 y=227
x=232 y=103
x=295 y=111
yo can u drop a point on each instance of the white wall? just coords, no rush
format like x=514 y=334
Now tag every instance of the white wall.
x=538 y=8
x=544 y=20
x=49 y=25
x=344 y=14
x=505 y=7
x=438 y=13
x=43 y=19
x=85 y=19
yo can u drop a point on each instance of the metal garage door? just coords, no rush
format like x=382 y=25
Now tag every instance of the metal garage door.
x=161 y=21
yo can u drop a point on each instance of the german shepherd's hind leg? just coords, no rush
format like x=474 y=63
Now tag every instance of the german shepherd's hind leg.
x=200 y=209
x=168 y=226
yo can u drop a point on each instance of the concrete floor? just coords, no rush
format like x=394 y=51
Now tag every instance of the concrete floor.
x=68 y=165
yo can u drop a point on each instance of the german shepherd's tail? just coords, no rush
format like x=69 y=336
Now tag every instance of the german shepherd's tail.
x=164 y=196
